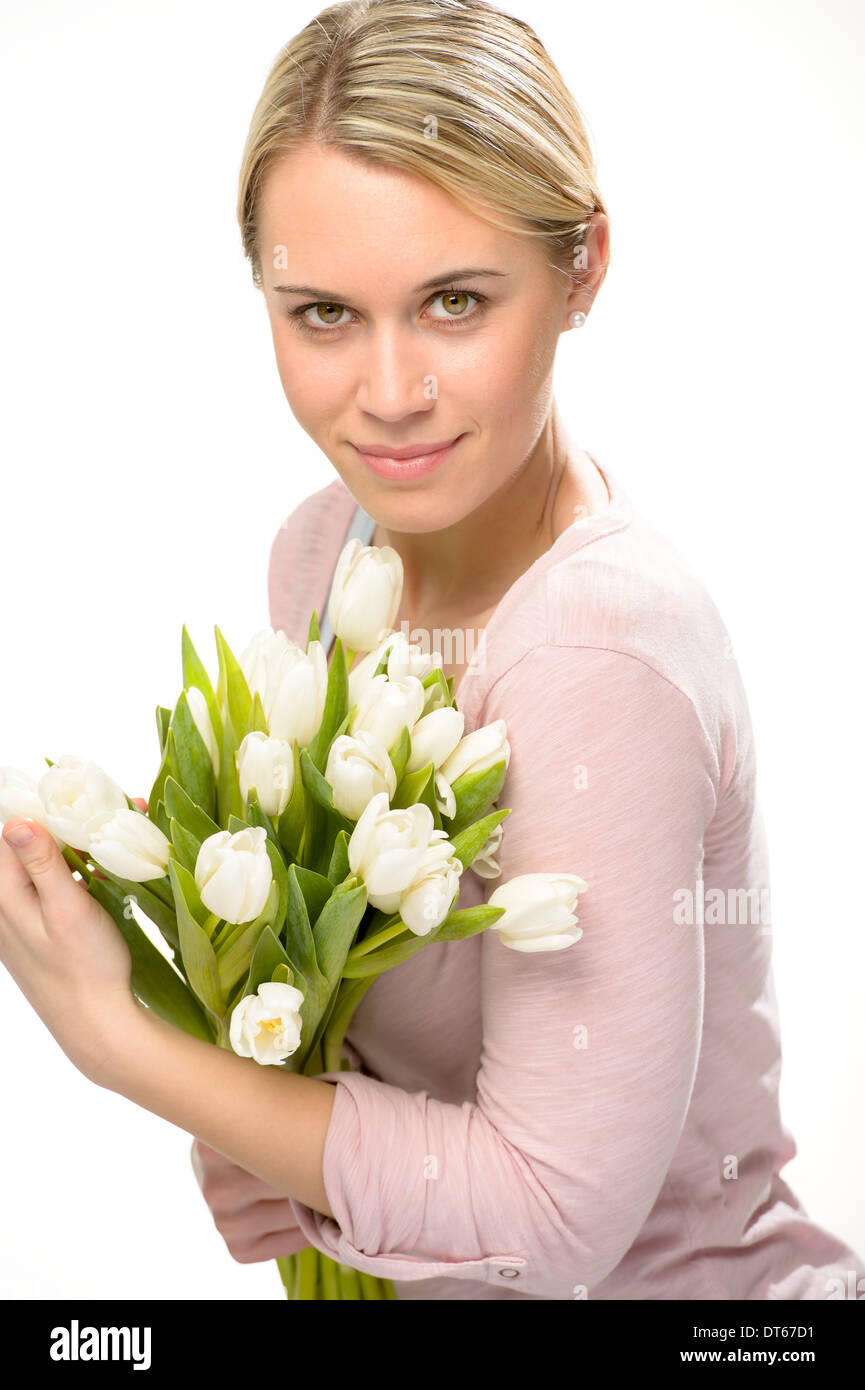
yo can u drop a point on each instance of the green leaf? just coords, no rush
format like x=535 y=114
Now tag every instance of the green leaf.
x=163 y=719
x=185 y=846
x=337 y=925
x=299 y=939
x=439 y=692
x=162 y=914
x=199 y=957
x=316 y=889
x=255 y=816
x=233 y=958
x=475 y=793
x=400 y=753
x=292 y=821
x=467 y=921
x=313 y=634
x=468 y=844
x=157 y=791
x=319 y=789
x=257 y=717
x=235 y=693
x=267 y=957
x=154 y=980
x=182 y=809
x=339 y=867
x=194 y=673
x=191 y=763
x=418 y=788
x=335 y=707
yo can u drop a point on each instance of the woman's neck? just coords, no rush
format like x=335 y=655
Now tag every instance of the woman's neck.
x=475 y=561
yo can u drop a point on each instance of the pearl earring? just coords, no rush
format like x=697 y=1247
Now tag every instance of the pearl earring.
x=578 y=318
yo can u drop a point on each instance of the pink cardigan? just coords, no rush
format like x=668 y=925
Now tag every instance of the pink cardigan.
x=598 y=1122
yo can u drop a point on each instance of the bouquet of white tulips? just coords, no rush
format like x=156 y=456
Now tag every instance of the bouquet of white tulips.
x=307 y=830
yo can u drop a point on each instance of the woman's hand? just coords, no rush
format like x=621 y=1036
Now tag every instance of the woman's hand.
x=255 y=1220
x=64 y=951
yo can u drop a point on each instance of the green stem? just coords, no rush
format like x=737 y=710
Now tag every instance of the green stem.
x=76 y=862
x=287 y=1266
x=370 y=1286
x=350 y=994
x=330 y=1285
x=350 y=1282
x=307 y=1274
x=370 y=943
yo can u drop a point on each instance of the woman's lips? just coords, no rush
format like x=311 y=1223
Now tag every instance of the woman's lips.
x=414 y=467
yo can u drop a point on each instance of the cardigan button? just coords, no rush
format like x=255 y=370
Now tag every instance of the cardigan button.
x=509 y=1273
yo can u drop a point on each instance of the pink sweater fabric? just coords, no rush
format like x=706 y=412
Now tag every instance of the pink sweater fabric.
x=602 y=1121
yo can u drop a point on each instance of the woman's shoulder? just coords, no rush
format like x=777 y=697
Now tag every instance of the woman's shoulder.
x=601 y=612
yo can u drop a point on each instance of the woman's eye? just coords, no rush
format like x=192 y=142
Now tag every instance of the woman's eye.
x=326 y=316
x=453 y=304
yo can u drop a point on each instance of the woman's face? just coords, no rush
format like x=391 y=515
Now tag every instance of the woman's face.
x=380 y=343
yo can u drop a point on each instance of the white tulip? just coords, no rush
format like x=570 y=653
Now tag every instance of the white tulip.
x=478 y=750
x=203 y=723
x=260 y=659
x=386 y=706
x=75 y=793
x=233 y=873
x=360 y=675
x=427 y=901
x=295 y=702
x=539 y=911
x=387 y=848
x=358 y=768
x=267 y=1025
x=19 y=797
x=434 y=737
x=365 y=594
x=409 y=659
x=484 y=864
x=267 y=764
x=444 y=795
x=128 y=844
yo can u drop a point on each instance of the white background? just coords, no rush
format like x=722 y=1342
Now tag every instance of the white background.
x=150 y=456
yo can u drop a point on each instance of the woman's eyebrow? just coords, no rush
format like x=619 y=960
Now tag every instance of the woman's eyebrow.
x=472 y=273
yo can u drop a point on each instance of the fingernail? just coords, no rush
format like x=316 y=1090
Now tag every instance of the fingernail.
x=20 y=834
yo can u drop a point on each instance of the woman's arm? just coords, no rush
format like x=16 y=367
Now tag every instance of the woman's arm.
x=270 y=1121
x=588 y=1054
x=67 y=956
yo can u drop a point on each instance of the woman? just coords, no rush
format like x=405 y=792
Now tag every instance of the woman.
x=419 y=206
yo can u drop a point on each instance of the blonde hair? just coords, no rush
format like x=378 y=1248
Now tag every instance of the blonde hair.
x=456 y=91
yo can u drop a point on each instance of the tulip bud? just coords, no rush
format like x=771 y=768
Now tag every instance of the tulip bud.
x=427 y=901
x=296 y=694
x=128 y=844
x=267 y=1025
x=362 y=673
x=233 y=873
x=203 y=723
x=386 y=849
x=75 y=792
x=478 y=750
x=358 y=768
x=484 y=864
x=365 y=594
x=386 y=707
x=19 y=797
x=434 y=737
x=406 y=658
x=538 y=912
x=267 y=764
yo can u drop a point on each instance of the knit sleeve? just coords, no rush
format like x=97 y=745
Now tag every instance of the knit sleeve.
x=590 y=1052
